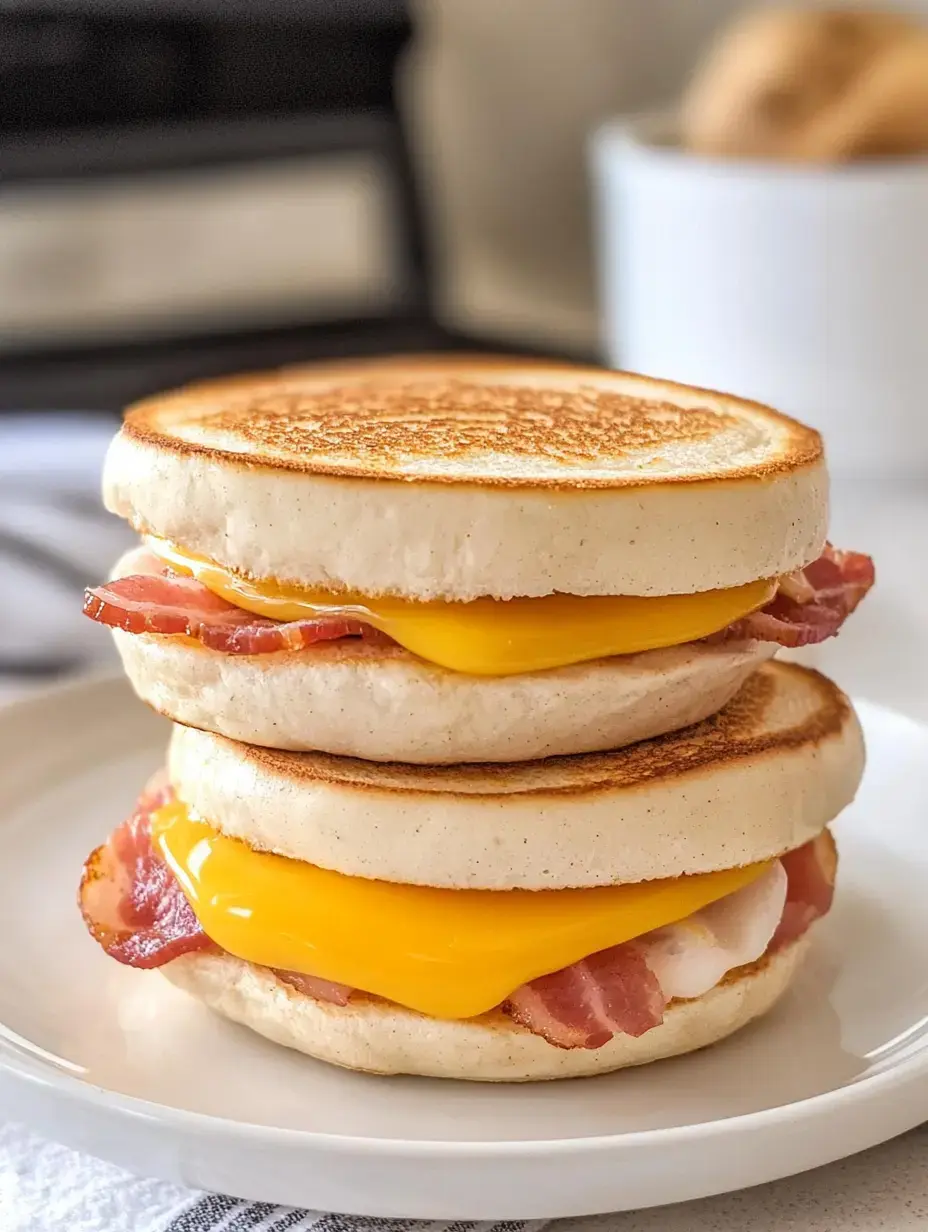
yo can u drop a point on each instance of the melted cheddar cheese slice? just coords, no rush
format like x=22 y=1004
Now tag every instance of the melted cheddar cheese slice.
x=493 y=637
x=446 y=953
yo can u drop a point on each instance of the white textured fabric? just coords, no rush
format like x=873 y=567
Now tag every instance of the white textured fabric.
x=48 y=1188
x=44 y=1187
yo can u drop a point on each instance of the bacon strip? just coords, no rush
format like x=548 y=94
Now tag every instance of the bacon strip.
x=624 y=990
x=810 y=872
x=170 y=604
x=135 y=909
x=131 y=902
x=810 y=605
x=583 y=1006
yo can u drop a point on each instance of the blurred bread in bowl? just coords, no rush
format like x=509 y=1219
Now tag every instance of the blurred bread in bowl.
x=823 y=86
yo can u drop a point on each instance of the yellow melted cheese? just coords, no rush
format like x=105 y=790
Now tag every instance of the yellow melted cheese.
x=493 y=637
x=446 y=953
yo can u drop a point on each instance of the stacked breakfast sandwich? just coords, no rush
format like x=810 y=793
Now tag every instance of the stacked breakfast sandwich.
x=482 y=764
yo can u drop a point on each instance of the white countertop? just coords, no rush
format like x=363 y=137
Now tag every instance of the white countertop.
x=883 y=1190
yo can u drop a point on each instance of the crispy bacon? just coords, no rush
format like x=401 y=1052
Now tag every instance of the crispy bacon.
x=624 y=990
x=583 y=1006
x=135 y=909
x=170 y=604
x=810 y=605
x=130 y=900
x=810 y=888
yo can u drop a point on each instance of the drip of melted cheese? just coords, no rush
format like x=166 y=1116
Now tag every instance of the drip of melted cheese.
x=446 y=953
x=493 y=637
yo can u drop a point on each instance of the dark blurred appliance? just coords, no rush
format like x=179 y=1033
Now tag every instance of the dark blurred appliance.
x=189 y=187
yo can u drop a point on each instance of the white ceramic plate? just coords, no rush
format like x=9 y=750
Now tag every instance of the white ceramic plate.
x=119 y=1063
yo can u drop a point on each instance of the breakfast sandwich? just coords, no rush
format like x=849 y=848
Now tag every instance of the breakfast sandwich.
x=482 y=765
x=496 y=922
x=445 y=561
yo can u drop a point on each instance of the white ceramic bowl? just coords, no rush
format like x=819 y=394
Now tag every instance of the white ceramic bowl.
x=804 y=287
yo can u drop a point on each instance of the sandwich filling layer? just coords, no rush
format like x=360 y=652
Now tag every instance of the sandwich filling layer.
x=575 y=966
x=493 y=637
x=446 y=953
x=172 y=592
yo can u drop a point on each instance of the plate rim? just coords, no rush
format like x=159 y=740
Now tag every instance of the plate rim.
x=113 y=1103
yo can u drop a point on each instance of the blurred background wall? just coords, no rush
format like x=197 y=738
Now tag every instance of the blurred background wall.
x=501 y=98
